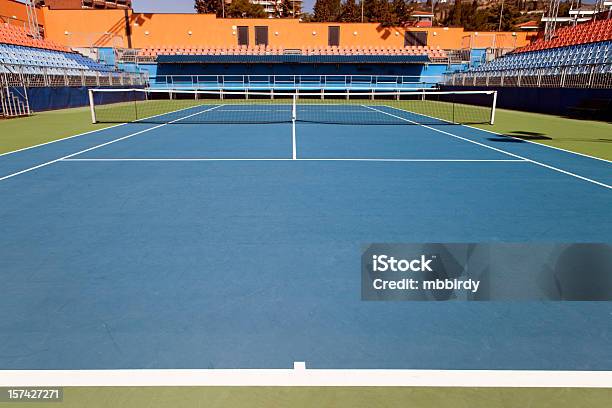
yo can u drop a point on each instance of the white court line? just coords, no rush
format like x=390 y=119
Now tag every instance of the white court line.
x=495 y=148
x=203 y=159
x=513 y=137
x=64 y=138
x=102 y=145
x=293 y=141
x=301 y=376
x=540 y=144
x=229 y=109
x=92 y=131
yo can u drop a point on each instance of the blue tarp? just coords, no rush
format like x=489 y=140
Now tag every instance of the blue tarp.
x=51 y=98
x=552 y=101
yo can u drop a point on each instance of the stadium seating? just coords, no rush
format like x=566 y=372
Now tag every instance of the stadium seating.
x=36 y=58
x=591 y=32
x=30 y=62
x=17 y=47
x=11 y=34
x=575 y=55
x=152 y=53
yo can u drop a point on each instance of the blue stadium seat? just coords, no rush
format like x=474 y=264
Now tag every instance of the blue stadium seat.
x=56 y=61
x=576 y=55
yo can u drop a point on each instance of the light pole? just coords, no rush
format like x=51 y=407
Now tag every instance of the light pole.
x=362 y=1
x=501 y=14
x=433 y=12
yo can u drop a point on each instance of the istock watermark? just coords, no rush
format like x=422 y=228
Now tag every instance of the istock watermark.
x=487 y=271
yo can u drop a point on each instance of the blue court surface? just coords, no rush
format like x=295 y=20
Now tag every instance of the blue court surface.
x=188 y=245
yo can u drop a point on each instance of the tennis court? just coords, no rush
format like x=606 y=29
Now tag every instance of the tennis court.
x=221 y=236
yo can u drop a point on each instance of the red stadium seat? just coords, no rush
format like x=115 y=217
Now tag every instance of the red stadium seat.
x=592 y=31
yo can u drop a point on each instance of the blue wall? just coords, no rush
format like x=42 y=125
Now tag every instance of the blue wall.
x=284 y=69
x=289 y=69
x=50 y=98
x=434 y=69
x=106 y=56
x=297 y=69
x=151 y=69
x=554 y=101
x=478 y=56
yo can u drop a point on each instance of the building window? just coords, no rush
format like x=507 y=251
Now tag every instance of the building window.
x=243 y=35
x=333 y=35
x=261 y=35
x=412 y=38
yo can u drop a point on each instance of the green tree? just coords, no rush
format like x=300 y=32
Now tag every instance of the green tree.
x=327 y=10
x=351 y=12
x=209 y=7
x=469 y=15
x=380 y=11
x=401 y=10
x=307 y=17
x=245 y=9
x=455 y=15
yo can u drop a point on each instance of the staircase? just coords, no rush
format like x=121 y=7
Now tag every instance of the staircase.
x=13 y=103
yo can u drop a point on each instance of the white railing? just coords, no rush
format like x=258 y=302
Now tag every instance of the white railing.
x=29 y=76
x=13 y=102
x=571 y=76
x=297 y=81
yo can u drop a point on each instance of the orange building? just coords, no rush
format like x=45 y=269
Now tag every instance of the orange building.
x=124 y=28
x=78 y=4
x=82 y=28
x=15 y=13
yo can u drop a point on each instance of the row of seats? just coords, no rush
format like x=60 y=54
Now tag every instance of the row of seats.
x=18 y=47
x=44 y=58
x=590 y=32
x=373 y=50
x=584 y=54
x=11 y=34
x=271 y=50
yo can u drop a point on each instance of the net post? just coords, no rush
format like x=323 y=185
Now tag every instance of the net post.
x=492 y=122
x=92 y=106
x=293 y=117
x=134 y=93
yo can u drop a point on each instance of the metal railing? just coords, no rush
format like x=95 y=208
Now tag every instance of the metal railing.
x=14 y=102
x=570 y=76
x=283 y=81
x=29 y=76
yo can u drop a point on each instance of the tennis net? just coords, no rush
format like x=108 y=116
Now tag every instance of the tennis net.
x=232 y=107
